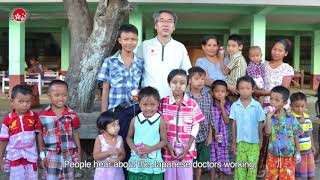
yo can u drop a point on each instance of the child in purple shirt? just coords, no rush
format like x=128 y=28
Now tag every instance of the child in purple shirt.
x=256 y=68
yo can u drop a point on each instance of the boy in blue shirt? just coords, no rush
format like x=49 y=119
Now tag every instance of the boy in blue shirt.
x=248 y=116
x=121 y=75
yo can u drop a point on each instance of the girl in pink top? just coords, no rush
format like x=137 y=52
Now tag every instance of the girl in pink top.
x=108 y=148
x=182 y=116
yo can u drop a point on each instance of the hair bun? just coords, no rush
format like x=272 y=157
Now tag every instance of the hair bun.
x=289 y=43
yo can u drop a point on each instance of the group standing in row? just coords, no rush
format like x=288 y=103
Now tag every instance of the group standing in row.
x=181 y=115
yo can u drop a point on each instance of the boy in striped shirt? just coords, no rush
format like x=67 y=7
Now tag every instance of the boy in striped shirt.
x=237 y=66
x=306 y=168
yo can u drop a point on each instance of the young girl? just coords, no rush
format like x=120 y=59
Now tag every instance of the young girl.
x=34 y=66
x=182 y=116
x=146 y=137
x=108 y=147
x=221 y=111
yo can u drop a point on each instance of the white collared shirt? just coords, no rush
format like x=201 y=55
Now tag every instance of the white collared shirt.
x=151 y=119
x=159 y=60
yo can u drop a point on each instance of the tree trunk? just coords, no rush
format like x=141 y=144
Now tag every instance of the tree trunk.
x=90 y=47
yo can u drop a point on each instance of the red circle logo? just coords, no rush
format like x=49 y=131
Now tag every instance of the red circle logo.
x=19 y=14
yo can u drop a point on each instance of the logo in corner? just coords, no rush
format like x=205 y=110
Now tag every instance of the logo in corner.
x=19 y=15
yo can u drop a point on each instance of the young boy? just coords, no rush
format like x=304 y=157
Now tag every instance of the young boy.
x=237 y=65
x=284 y=131
x=121 y=75
x=248 y=116
x=255 y=68
x=204 y=138
x=306 y=168
x=59 y=142
x=18 y=136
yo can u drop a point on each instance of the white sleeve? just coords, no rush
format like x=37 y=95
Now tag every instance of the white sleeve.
x=195 y=130
x=139 y=52
x=186 y=63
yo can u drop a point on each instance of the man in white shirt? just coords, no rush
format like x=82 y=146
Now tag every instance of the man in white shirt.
x=162 y=53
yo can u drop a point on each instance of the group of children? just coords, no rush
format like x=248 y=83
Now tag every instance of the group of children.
x=169 y=134
x=192 y=126
x=50 y=137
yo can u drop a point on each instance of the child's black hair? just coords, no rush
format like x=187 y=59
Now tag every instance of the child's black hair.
x=205 y=39
x=246 y=79
x=21 y=88
x=298 y=96
x=283 y=91
x=149 y=92
x=236 y=38
x=196 y=70
x=57 y=81
x=285 y=42
x=176 y=72
x=106 y=118
x=128 y=28
x=252 y=48
x=33 y=58
x=217 y=83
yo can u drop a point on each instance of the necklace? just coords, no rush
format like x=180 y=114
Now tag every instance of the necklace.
x=109 y=139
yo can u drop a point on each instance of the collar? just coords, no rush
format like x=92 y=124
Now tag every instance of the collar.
x=286 y=114
x=151 y=120
x=214 y=104
x=160 y=41
x=202 y=93
x=118 y=57
x=255 y=64
x=305 y=115
x=184 y=100
x=65 y=111
x=252 y=103
x=13 y=114
x=237 y=54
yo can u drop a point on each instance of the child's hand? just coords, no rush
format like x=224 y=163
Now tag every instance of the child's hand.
x=269 y=115
x=234 y=148
x=114 y=151
x=171 y=151
x=184 y=152
x=134 y=95
x=221 y=103
x=233 y=90
x=134 y=98
x=44 y=163
x=145 y=149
